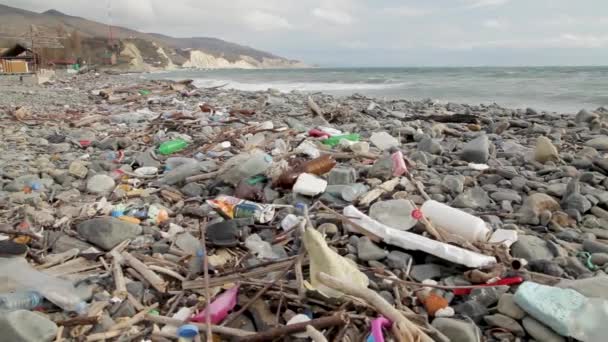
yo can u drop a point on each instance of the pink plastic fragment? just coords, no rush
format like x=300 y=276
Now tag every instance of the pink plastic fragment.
x=377 y=325
x=399 y=167
x=219 y=308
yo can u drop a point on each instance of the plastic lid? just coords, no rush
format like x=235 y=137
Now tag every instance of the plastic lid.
x=187 y=330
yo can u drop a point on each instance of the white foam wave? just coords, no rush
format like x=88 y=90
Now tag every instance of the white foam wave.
x=290 y=86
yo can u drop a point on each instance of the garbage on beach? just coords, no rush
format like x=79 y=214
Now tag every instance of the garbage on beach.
x=324 y=259
x=412 y=241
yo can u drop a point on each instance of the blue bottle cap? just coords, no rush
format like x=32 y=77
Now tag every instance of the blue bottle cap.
x=187 y=330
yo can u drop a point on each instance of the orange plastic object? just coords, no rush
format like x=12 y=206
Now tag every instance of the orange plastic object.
x=320 y=166
x=434 y=302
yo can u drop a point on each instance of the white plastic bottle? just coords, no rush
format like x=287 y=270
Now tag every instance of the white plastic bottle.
x=455 y=221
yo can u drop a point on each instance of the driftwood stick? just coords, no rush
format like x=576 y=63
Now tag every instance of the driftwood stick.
x=133 y=320
x=203 y=176
x=258 y=295
x=87 y=320
x=135 y=302
x=319 y=323
x=403 y=329
x=315 y=334
x=6 y=229
x=120 y=283
x=103 y=336
x=96 y=309
x=201 y=326
x=166 y=271
x=59 y=335
x=154 y=279
x=206 y=277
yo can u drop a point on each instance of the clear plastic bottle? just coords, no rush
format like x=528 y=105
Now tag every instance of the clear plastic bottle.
x=25 y=300
x=58 y=291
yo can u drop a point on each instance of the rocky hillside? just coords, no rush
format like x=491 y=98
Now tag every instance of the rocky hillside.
x=136 y=51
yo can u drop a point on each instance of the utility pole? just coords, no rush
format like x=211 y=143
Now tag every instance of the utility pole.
x=35 y=66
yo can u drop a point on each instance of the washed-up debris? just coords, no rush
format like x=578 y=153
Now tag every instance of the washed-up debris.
x=153 y=210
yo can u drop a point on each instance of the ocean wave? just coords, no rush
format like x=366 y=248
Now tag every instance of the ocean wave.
x=290 y=86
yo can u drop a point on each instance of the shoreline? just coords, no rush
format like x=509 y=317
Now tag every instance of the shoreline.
x=86 y=165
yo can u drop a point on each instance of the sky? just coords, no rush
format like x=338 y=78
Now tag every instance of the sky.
x=374 y=32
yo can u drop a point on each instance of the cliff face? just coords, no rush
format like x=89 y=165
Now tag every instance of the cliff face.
x=140 y=56
x=136 y=51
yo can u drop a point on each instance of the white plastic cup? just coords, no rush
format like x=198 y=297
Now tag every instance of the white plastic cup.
x=456 y=221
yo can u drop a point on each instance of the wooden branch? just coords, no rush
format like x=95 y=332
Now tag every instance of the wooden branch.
x=120 y=285
x=154 y=279
x=258 y=295
x=87 y=320
x=225 y=331
x=378 y=191
x=403 y=328
x=206 y=276
x=103 y=336
x=203 y=176
x=140 y=316
x=167 y=271
x=239 y=274
x=6 y=229
x=318 y=323
x=88 y=120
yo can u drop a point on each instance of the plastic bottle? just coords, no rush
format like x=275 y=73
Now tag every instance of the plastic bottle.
x=245 y=165
x=319 y=166
x=172 y=146
x=58 y=291
x=26 y=300
x=456 y=221
x=335 y=140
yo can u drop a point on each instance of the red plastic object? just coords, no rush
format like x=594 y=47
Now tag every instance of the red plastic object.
x=399 y=167
x=219 y=308
x=317 y=133
x=417 y=214
x=505 y=281
x=85 y=143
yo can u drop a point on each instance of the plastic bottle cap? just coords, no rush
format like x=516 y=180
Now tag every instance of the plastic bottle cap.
x=187 y=330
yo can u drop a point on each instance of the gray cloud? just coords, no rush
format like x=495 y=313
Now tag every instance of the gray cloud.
x=374 y=33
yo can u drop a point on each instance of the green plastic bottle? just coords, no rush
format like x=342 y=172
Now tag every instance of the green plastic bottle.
x=172 y=146
x=335 y=140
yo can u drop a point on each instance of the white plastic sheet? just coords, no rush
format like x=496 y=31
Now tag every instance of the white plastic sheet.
x=413 y=241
